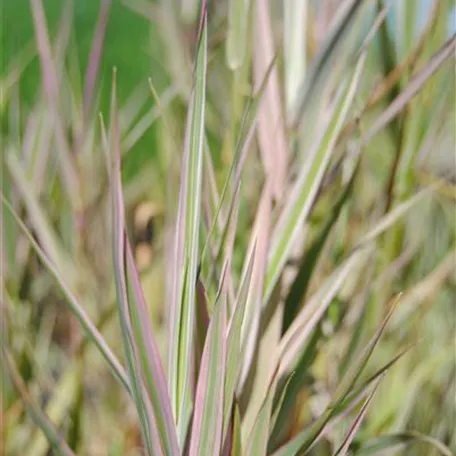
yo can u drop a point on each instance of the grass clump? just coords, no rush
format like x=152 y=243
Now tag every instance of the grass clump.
x=300 y=295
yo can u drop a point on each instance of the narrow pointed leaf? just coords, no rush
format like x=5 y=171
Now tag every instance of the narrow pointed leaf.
x=188 y=223
x=321 y=69
x=304 y=191
x=303 y=441
x=295 y=381
x=354 y=371
x=358 y=391
x=150 y=358
x=206 y=438
x=280 y=401
x=306 y=321
x=51 y=84
x=233 y=366
x=95 y=55
x=343 y=450
x=309 y=260
x=243 y=142
x=298 y=332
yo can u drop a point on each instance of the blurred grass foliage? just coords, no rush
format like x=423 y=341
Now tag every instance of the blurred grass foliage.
x=228 y=227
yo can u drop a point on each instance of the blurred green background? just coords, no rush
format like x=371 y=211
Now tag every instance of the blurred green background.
x=131 y=45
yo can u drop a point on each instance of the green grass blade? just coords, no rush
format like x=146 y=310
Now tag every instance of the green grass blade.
x=306 y=321
x=188 y=223
x=321 y=69
x=303 y=441
x=302 y=326
x=280 y=401
x=360 y=390
x=354 y=371
x=304 y=191
x=15 y=70
x=309 y=260
x=294 y=383
x=307 y=436
x=393 y=216
x=206 y=438
x=344 y=448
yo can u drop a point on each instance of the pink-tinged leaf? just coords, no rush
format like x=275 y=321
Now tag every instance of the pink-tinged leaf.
x=206 y=435
x=70 y=178
x=186 y=258
x=63 y=36
x=302 y=196
x=232 y=182
x=148 y=424
x=44 y=50
x=95 y=55
x=271 y=124
x=152 y=366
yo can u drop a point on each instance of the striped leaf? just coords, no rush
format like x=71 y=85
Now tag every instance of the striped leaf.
x=206 y=435
x=303 y=194
x=186 y=246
